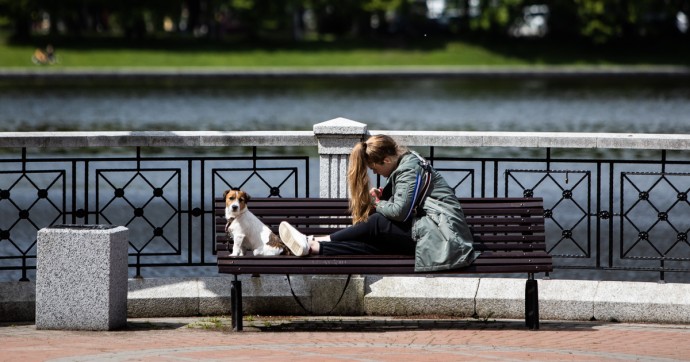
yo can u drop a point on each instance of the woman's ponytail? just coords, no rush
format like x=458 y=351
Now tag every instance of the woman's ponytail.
x=358 y=183
x=364 y=154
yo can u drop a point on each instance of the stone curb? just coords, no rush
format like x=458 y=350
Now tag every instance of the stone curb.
x=482 y=298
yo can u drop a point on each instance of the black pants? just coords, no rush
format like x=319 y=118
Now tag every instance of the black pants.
x=377 y=235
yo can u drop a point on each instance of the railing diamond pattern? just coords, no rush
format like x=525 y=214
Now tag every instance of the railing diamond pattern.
x=651 y=213
x=567 y=206
x=145 y=201
x=29 y=201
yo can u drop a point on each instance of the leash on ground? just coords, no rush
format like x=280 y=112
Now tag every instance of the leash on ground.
x=309 y=312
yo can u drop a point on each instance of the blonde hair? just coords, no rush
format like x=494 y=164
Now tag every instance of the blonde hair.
x=365 y=153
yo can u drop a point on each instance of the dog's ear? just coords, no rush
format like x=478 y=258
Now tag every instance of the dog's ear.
x=226 y=193
x=247 y=197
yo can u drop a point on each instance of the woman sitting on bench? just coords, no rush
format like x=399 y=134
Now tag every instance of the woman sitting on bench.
x=415 y=214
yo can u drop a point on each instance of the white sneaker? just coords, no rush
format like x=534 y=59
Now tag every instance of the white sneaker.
x=293 y=239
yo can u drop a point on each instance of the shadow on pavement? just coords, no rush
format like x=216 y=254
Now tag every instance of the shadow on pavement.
x=339 y=324
x=144 y=325
x=381 y=325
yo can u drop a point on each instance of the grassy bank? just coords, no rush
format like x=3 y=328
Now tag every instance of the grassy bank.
x=428 y=51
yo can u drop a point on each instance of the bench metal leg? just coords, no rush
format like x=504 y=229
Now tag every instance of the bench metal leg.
x=236 y=304
x=531 y=303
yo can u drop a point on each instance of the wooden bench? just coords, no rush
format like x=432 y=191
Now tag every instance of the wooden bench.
x=508 y=231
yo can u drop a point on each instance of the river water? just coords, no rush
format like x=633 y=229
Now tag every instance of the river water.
x=575 y=105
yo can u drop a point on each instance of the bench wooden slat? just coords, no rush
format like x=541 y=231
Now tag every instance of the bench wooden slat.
x=277 y=209
x=300 y=220
x=316 y=203
x=478 y=239
x=395 y=264
x=484 y=220
x=221 y=244
x=522 y=239
x=509 y=247
x=482 y=228
x=512 y=229
x=485 y=258
x=326 y=217
x=380 y=270
x=325 y=200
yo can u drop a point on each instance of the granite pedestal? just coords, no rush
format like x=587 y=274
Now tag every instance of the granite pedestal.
x=81 y=277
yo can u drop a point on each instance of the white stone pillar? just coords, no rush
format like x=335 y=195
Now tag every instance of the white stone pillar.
x=336 y=139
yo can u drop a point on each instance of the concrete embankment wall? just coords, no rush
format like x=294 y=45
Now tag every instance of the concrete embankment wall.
x=462 y=297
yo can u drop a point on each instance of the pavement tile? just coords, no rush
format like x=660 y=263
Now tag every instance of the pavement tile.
x=349 y=339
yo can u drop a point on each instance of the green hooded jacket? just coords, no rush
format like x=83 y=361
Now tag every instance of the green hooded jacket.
x=443 y=238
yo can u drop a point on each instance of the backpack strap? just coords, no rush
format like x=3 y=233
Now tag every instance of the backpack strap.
x=421 y=186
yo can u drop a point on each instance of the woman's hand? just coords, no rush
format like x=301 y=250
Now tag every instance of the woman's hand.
x=376 y=194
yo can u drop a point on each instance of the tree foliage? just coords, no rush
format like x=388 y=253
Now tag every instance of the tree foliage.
x=598 y=21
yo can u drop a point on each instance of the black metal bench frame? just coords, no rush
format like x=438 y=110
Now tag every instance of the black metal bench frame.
x=508 y=231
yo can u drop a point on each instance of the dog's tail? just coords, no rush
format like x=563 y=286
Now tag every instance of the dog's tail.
x=275 y=242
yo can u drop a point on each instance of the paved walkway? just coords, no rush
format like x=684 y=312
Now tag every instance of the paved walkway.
x=349 y=339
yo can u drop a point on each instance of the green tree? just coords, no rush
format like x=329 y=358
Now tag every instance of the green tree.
x=564 y=22
x=599 y=19
x=496 y=16
x=379 y=10
x=604 y=21
x=20 y=14
x=651 y=18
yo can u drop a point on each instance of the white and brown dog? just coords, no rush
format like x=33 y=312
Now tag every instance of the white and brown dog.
x=249 y=234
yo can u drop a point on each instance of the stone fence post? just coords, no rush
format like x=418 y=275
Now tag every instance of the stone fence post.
x=336 y=138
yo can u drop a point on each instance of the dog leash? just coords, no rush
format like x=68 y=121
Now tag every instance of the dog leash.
x=347 y=282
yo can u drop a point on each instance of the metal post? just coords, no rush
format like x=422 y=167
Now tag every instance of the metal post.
x=531 y=303
x=236 y=302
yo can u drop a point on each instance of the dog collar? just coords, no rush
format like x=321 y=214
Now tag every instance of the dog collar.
x=238 y=216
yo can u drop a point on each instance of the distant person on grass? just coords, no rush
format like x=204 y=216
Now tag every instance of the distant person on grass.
x=415 y=214
x=44 y=57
